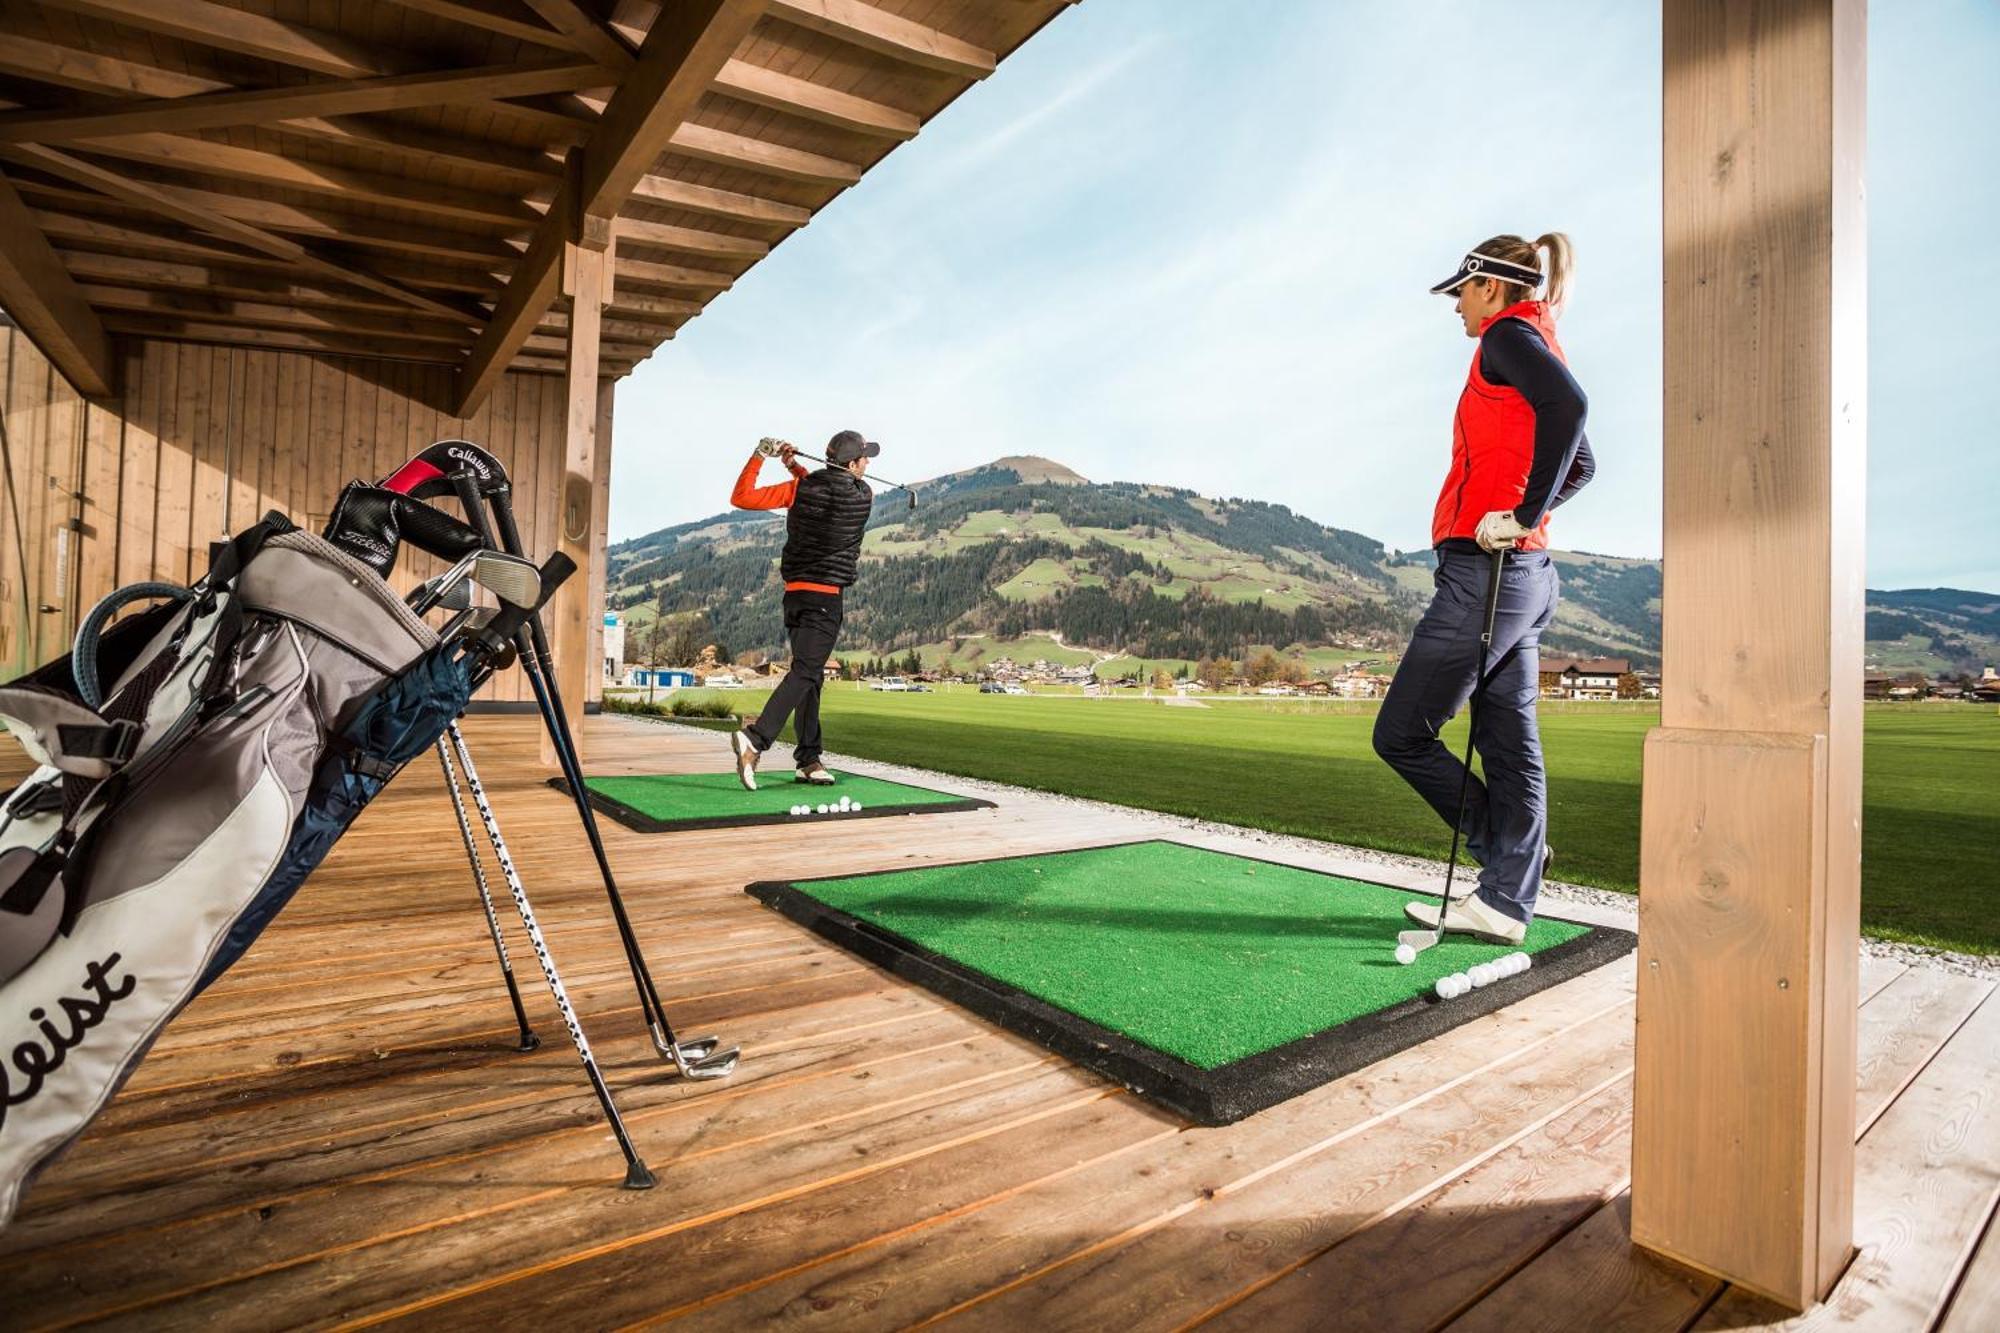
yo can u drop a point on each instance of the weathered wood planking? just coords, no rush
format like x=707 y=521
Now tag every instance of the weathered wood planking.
x=202 y=440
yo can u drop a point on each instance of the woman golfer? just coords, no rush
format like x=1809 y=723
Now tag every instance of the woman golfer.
x=1517 y=451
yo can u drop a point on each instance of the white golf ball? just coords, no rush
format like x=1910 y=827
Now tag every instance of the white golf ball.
x=1481 y=974
x=1460 y=984
x=1445 y=990
x=1405 y=954
x=794 y=810
x=1527 y=961
x=819 y=810
x=855 y=806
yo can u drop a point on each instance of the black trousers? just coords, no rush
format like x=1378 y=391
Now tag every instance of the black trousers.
x=812 y=621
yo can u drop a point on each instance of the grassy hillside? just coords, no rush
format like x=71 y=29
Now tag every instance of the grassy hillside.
x=1026 y=548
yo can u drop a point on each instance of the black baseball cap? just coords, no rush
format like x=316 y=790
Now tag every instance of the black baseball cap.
x=847 y=446
x=1477 y=265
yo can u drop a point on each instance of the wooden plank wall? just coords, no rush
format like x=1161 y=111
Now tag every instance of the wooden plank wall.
x=202 y=441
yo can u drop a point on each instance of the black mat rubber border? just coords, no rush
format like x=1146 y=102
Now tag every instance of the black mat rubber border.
x=640 y=822
x=1218 y=1096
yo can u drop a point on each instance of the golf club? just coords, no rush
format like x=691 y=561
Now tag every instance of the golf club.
x=464 y=469
x=637 y=1176
x=1420 y=940
x=770 y=445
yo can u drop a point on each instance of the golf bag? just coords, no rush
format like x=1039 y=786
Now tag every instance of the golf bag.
x=196 y=761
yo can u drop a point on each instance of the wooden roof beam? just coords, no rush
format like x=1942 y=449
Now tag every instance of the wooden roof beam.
x=487 y=17
x=678 y=61
x=720 y=203
x=748 y=154
x=45 y=301
x=687 y=240
x=277 y=283
x=585 y=32
x=158 y=199
x=887 y=34
x=48 y=62
x=338 y=97
x=283 y=171
x=672 y=275
x=218 y=309
x=170 y=328
x=810 y=101
x=210 y=24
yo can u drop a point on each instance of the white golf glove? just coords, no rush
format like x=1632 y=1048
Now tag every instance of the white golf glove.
x=769 y=446
x=1498 y=529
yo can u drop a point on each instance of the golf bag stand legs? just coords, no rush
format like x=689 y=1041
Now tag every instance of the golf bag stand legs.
x=637 y=1176
x=529 y=1041
x=700 y=1057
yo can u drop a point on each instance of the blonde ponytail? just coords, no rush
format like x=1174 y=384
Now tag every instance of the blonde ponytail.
x=1561 y=264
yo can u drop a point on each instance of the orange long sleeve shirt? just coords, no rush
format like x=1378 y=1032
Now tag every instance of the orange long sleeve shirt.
x=749 y=495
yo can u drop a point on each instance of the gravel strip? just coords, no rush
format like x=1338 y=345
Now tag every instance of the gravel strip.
x=1598 y=906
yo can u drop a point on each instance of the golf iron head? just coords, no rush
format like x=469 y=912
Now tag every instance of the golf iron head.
x=699 y=1057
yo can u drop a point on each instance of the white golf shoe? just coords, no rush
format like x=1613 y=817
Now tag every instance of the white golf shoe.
x=747 y=755
x=1470 y=915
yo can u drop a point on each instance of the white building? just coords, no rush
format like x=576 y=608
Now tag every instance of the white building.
x=614 y=647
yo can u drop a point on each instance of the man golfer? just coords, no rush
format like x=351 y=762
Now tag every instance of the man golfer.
x=826 y=512
x=1518 y=451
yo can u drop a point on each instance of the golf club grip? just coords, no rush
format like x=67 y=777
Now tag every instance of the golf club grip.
x=432 y=530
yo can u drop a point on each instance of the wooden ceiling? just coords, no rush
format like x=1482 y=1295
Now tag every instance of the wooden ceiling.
x=400 y=178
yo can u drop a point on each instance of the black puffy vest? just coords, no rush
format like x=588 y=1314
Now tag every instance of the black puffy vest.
x=823 y=529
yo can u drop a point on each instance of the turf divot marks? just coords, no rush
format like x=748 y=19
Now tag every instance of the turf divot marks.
x=1020 y=1234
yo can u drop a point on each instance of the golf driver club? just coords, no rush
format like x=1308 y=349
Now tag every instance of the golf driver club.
x=1420 y=940
x=770 y=445
x=464 y=469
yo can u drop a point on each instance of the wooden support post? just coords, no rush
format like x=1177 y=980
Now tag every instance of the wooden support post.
x=569 y=613
x=1743 y=1118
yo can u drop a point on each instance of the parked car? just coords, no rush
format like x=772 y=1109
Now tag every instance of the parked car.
x=893 y=684
x=1013 y=689
x=991 y=687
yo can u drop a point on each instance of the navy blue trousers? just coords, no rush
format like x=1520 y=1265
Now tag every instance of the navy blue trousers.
x=1506 y=814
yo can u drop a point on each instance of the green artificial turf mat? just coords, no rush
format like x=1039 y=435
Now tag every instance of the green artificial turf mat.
x=1204 y=956
x=662 y=802
x=1217 y=985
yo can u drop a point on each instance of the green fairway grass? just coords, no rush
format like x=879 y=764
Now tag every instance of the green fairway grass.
x=1930 y=830
x=1204 y=956
x=675 y=796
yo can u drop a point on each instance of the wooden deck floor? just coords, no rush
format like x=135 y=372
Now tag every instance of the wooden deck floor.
x=338 y=1133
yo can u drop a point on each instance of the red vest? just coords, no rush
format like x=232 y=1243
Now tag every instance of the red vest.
x=1492 y=444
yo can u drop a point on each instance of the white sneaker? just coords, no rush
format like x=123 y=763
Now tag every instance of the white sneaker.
x=1470 y=915
x=747 y=755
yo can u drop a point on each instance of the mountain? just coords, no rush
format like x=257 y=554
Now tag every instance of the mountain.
x=1024 y=556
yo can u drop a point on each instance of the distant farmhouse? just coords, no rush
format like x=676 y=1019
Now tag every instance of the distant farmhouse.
x=1589 y=678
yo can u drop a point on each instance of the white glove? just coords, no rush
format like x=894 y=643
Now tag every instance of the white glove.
x=769 y=446
x=1498 y=529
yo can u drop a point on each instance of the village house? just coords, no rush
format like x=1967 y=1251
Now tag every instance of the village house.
x=1589 y=678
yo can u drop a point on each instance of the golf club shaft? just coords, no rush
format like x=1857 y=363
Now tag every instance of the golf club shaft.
x=879 y=481
x=1472 y=730
x=538 y=664
x=636 y=1174
x=528 y=1038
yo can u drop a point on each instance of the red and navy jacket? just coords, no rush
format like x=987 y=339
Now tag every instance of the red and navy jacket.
x=1517 y=439
x=827 y=514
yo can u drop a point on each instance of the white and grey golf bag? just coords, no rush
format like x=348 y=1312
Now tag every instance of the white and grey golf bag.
x=196 y=760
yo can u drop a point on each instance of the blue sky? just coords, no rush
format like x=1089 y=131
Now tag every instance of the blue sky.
x=1166 y=245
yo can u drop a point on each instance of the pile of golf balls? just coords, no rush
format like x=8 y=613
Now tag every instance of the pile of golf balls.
x=843 y=806
x=1482 y=974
